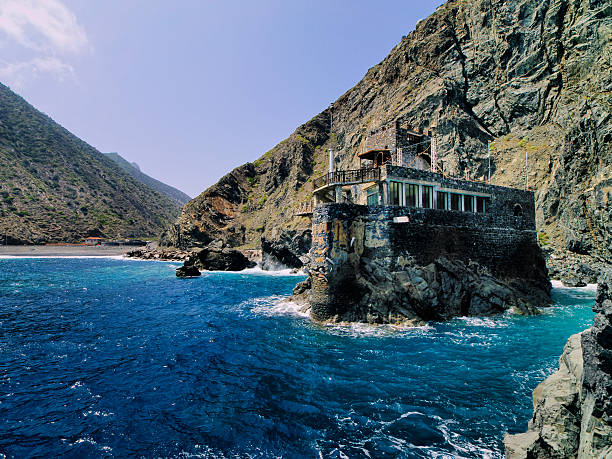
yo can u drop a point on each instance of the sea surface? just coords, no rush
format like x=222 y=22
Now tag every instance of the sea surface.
x=116 y=358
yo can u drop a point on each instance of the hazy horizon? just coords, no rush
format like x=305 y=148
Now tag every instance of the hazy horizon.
x=192 y=91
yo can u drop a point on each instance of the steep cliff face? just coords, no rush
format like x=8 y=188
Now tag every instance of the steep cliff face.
x=531 y=76
x=572 y=414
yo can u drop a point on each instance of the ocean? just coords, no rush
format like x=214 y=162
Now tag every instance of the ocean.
x=115 y=358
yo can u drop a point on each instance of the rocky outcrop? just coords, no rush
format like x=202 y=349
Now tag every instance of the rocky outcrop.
x=283 y=252
x=438 y=291
x=160 y=253
x=186 y=271
x=573 y=407
x=573 y=269
x=217 y=257
x=532 y=76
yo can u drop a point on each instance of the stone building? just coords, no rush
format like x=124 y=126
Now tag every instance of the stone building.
x=405 y=216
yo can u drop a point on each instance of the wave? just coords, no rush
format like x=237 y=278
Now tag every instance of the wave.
x=558 y=284
x=277 y=306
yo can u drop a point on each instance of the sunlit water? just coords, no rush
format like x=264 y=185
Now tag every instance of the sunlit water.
x=106 y=357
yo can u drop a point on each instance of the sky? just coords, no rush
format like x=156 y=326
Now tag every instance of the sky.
x=190 y=89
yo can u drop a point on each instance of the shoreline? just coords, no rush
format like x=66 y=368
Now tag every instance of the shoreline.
x=63 y=251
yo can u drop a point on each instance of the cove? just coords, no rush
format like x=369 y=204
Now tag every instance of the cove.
x=106 y=357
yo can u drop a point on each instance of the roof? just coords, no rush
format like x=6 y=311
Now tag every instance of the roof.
x=372 y=154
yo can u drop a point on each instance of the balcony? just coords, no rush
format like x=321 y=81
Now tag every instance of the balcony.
x=350 y=177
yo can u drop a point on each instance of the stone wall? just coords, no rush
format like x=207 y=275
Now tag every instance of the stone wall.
x=383 y=138
x=347 y=237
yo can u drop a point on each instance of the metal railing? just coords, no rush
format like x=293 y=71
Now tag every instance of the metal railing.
x=369 y=174
x=304 y=208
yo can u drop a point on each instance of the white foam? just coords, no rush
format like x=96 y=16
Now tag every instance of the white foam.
x=277 y=306
x=361 y=329
x=258 y=271
x=485 y=322
x=558 y=284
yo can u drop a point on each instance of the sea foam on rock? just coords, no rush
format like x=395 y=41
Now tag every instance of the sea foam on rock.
x=573 y=407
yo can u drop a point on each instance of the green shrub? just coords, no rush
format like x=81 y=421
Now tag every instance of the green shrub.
x=543 y=238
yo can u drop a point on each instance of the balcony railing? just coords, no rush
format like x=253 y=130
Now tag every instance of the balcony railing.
x=369 y=174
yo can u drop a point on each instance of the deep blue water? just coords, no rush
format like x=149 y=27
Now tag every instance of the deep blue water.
x=103 y=357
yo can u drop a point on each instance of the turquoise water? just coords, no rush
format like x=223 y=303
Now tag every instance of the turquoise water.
x=114 y=358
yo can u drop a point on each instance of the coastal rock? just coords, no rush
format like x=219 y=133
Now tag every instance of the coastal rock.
x=573 y=269
x=438 y=291
x=216 y=258
x=160 y=253
x=285 y=251
x=573 y=407
x=187 y=271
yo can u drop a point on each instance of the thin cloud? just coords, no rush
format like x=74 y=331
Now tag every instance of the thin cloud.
x=16 y=74
x=42 y=25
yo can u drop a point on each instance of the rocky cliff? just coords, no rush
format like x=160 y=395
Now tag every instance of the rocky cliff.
x=56 y=188
x=573 y=407
x=531 y=76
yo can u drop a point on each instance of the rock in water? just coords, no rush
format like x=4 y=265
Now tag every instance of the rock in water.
x=216 y=258
x=187 y=271
x=573 y=407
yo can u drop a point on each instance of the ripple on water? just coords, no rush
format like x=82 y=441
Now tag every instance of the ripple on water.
x=119 y=358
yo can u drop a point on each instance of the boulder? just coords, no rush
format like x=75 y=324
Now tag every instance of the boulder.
x=187 y=271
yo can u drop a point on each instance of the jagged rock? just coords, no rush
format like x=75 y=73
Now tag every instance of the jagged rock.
x=187 y=271
x=438 y=291
x=212 y=258
x=573 y=407
x=574 y=270
x=161 y=253
x=285 y=251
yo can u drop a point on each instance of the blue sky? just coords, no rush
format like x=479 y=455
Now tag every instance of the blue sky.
x=191 y=89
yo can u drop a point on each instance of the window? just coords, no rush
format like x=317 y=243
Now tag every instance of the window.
x=373 y=196
x=411 y=194
x=427 y=196
x=395 y=191
x=455 y=200
x=441 y=198
x=482 y=204
x=518 y=210
x=468 y=203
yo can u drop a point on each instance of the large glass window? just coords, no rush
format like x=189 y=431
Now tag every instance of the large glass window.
x=455 y=200
x=427 y=196
x=441 y=200
x=482 y=204
x=373 y=196
x=412 y=193
x=468 y=203
x=395 y=193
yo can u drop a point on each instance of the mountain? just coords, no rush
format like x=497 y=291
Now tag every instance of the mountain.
x=55 y=187
x=134 y=170
x=533 y=77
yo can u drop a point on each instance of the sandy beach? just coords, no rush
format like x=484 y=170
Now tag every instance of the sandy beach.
x=63 y=250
